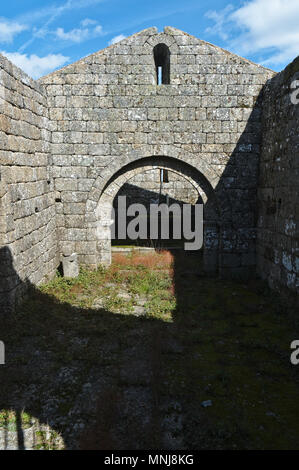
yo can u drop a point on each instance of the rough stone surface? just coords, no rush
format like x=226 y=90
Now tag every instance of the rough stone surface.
x=148 y=188
x=70 y=265
x=108 y=115
x=28 y=239
x=278 y=223
x=70 y=141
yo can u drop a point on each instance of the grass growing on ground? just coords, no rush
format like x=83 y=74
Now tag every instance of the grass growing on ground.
x=189 y=340
x=147 y=275
x=9 y=419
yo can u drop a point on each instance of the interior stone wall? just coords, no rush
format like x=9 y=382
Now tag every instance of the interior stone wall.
x=71 y=140
x=107 y=110
x=28 y=243
x=146 y=188
x=278 y=195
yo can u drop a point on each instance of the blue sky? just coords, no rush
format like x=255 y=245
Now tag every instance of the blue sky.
x=40 y=36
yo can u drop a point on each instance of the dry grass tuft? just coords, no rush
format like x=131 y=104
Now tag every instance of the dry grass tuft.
x=153 y=260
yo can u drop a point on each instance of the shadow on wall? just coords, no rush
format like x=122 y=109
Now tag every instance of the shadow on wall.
x=12 y=288
x=236 y=192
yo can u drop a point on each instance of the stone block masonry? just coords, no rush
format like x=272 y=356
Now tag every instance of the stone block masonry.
x=107 y=111
x=278 y=222
x=28 y=241
x=155 y=185
x=69 y=142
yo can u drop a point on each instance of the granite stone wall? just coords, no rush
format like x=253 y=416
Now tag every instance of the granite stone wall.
x=28 y=243
x=107 y=112
x=148 y=188
x=72 y=141
x=278 y=195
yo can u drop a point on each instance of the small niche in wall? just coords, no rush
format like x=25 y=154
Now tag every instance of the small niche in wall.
x=162 y=63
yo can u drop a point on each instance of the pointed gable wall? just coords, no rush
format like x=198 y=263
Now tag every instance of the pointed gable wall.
x=107 y=110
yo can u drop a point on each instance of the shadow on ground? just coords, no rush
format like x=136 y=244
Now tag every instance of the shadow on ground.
x=169 y=359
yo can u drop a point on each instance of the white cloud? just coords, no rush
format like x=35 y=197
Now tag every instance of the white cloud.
x=98 y=30
x=220 y=18
x=116 y=39
x=52 y=13
x=78 y=35
x=87 y=22
x=9 y=29
x=74 y=35
x=34 y=65
x=260 y=26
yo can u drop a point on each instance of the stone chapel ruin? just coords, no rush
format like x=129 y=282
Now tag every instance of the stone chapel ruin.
x=217 y=127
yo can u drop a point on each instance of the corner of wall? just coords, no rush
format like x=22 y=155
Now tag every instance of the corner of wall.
x=28 y=242
x=277 y=243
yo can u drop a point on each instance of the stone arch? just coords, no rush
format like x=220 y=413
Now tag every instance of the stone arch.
x=209 y=176
x=160 y=166
x=123 y=176
x=99 y=204
x=167 y=39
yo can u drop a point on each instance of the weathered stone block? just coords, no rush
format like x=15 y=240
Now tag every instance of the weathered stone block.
x=70 y=265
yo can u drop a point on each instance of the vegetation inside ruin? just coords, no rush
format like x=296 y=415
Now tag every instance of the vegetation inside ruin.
x=151 y=354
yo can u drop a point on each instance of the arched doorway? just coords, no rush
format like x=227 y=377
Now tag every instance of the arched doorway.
x=100 y=220
x=148 y=189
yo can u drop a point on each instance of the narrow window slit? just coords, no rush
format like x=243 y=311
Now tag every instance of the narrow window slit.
x=159 y=75
x=162 y=63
